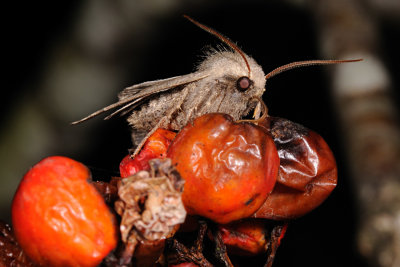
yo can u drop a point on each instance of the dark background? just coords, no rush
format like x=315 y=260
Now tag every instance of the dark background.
x=271 y=32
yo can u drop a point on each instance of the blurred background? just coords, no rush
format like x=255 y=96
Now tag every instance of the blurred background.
x=64 y=60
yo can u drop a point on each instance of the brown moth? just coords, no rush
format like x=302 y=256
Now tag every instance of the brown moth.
x=226 y=81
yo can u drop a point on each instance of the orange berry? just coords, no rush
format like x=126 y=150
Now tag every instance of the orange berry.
x=59 y=218
x=229 y=168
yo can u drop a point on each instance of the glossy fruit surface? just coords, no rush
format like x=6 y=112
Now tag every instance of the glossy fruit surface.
x=307 y=172
x=155 y=147
x=229 y=168
x=59 y=218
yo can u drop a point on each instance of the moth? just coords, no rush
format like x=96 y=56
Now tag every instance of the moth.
x=227 y=81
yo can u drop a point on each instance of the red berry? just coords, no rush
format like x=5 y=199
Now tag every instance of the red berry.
x=59 y=218
x=246 y=237
x=229 y=168
x=155 y=147
x=129 y=166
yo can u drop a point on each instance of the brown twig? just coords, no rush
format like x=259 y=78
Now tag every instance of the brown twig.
x=220 y=249
x=179 y=253
x=277 y=234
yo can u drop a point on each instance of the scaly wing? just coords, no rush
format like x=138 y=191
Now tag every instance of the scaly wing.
x=131 y=96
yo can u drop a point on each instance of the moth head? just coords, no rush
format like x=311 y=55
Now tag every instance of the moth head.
x=235 y=68
x=240 y=71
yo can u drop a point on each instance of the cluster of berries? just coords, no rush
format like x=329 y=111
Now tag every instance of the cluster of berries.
x=238 y=177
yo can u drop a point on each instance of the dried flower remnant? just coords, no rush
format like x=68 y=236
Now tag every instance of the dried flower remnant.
x=151 y=208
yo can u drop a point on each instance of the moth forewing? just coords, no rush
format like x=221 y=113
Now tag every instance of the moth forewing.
x=154 y=87
x=136 y=93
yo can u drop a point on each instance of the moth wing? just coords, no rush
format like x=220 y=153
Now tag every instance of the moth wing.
x=156 y=86
x=133 y=95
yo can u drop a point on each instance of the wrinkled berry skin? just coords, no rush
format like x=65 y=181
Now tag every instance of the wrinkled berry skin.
x=59 y=218
x=229 y=168
x=307 y=172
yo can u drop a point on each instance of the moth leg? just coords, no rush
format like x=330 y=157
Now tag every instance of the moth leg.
x=163 y=122
x=257 y=111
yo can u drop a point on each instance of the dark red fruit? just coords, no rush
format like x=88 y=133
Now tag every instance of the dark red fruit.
x=307 y=172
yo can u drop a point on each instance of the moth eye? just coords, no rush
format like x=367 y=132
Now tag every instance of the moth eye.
x=243 y=83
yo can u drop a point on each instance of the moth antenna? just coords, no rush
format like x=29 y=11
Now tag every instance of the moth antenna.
x=306 y=63
x=223 y=38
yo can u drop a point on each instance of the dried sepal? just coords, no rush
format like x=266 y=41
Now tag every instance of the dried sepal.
x=150 y=206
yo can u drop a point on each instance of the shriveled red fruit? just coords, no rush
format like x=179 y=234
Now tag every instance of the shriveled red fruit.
x=229 y=168
x=59 y=218
x=246 y=237
x=307 y=173
x=155 y=147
